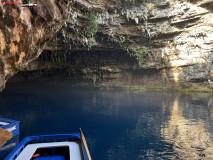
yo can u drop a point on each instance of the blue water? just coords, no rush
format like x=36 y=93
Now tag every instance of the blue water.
x=118 y=124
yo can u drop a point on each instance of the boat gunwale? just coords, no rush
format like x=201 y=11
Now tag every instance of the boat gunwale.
x=44 y=139
x=10 y=121
x=12 y=126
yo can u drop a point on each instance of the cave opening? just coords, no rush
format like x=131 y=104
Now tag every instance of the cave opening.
x=111 y=66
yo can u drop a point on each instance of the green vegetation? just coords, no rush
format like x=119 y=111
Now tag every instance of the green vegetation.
x=92 y=26
x=122 y=40
x=55 y=56
x=58 y=57
x=91 y=42
x=139 y=53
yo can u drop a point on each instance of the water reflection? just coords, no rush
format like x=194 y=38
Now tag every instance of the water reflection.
x=190 y=139
x=117 y=124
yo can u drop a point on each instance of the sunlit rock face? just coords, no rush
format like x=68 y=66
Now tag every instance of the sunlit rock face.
x=177 y=34
x=24 y=31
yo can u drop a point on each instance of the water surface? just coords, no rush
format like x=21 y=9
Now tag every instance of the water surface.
x=118 y=124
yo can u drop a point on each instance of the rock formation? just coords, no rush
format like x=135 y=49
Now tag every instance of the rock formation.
x=174 y=38
x=24 y=31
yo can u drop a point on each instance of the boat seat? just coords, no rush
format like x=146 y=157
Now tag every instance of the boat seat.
x=30 y=149
x=58 y=157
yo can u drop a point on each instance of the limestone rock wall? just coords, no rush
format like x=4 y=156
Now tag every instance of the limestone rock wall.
x=177 y=34
x=24 y=32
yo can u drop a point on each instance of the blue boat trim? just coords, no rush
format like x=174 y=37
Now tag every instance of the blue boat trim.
x=12 y=124
x=45 y=139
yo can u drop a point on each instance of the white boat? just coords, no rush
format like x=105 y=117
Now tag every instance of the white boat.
x=29 y=5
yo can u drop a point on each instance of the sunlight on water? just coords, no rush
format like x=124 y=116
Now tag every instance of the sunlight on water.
x=190 y=139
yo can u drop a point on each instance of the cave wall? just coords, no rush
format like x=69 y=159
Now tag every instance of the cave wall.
x=24 y=32
x=102 y=68
x=177 y=35
x=113 y=68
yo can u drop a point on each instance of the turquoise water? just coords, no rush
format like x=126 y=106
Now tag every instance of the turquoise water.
x=118 y=124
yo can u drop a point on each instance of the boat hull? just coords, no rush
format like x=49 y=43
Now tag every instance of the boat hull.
x=29 y=143
x=9 y=146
